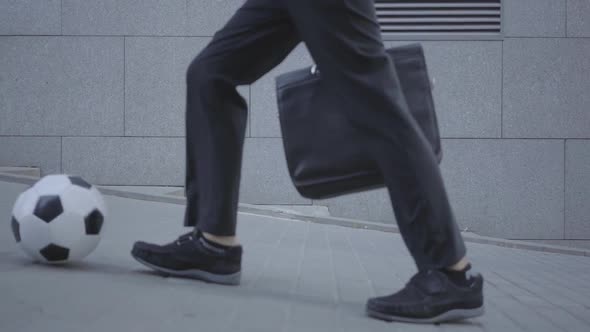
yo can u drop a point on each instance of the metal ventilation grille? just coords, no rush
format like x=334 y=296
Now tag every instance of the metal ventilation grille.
x=443 y=17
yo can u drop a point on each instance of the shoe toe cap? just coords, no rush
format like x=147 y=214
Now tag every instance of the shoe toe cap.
x=397 y=306
x=379 y=304
x=142 y=248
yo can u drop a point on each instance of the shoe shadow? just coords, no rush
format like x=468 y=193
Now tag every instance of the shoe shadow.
x=13 y=262
x=462 y=323
x=93 y=267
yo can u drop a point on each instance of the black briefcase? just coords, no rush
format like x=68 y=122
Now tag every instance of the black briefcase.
x=315 y=128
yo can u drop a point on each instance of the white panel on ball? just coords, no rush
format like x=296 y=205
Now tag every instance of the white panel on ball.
x=78 y=200
x=66 y=231
x=86 y=244
x=25 y=204
x=52 y=184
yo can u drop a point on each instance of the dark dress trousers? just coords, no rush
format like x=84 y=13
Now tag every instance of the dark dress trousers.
x=344 y=39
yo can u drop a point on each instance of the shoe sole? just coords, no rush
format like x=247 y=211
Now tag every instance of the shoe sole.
x=451 y=315
x=224 y=279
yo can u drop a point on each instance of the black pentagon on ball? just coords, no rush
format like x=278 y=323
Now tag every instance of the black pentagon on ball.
x=93 y=222
x=78 y=181
x=48 y=208
x=55 y=253
x=15 y=229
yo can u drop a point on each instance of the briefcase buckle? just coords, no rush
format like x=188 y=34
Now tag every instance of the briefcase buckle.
x=315 y=70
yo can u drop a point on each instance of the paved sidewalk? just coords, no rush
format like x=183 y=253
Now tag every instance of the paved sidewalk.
x=298 y=276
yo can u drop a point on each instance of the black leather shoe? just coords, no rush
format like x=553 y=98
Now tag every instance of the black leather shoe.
x=430 y=297
x=192 y=256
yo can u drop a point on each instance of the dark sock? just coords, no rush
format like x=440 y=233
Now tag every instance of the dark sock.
x=458 y=277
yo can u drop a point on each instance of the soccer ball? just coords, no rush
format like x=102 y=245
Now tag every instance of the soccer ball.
x=59 y=219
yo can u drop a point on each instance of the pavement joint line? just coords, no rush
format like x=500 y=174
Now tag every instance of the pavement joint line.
x=336 y=221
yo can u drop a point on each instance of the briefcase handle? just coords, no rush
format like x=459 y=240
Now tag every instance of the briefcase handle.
x=315 y=71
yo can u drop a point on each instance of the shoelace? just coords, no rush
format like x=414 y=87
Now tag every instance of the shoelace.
x=427 y=281
x=185 y=237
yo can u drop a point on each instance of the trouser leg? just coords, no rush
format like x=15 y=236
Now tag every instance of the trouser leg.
x=344 y=39
x=257 y=38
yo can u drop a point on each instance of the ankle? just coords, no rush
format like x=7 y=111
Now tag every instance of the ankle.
x=229 y=241
x=457 y=273
x=461 y=265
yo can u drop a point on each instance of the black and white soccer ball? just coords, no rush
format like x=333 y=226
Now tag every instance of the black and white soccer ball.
x=59 y=219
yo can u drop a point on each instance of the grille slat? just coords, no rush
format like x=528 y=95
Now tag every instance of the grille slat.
x=438 y=12
x=432 y=4
x=437 y=20
x=419 y=17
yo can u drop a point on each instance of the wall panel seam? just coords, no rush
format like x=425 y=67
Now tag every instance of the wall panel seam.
x=423 y=38
x=186 y=28
x=543 y=37
x=61 y=154
x=502 y=91
x=107 y=35
x=124 y=84
x=564 y=185
x=278 y=137
x=566 y=32
x=61 y=17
